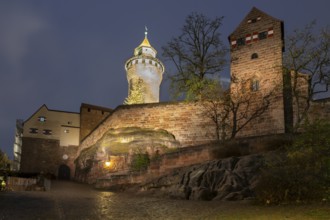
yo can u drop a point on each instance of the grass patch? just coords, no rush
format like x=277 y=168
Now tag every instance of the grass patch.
x=256 y=212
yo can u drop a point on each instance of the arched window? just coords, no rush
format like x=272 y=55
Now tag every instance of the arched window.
x=254 y=56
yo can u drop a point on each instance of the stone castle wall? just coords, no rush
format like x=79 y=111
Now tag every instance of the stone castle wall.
x=46 y=155
x=40 y=155
x=320 y=110
x=186 y=121
x=90 y=117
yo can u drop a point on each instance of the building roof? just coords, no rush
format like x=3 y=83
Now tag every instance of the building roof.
x=145 y=42
x=85 y=105
x=45 y=106
x=251 y=15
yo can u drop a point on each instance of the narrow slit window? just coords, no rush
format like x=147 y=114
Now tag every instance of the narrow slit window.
x=255 y=85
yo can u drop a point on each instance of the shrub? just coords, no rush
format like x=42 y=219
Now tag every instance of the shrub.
x=140 y=161
x=303 y=172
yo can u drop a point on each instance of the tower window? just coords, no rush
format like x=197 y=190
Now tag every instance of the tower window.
x=143 y=61
x=240 y=41
x=89 y=110
x=254 y=85
x=33 y=130
x=262 y=35
x=254 y=56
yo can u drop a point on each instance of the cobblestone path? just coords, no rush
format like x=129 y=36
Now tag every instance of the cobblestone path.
x=68 y=200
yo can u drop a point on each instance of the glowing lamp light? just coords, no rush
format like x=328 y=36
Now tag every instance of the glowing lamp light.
x=107 y=163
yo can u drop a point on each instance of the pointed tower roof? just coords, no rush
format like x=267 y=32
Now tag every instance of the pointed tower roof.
x=145 y=44
x=254 y=14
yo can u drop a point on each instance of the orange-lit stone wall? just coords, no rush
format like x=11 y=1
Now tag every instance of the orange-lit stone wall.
x=186 y=121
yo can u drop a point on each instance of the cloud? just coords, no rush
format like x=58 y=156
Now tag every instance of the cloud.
x=17 y=26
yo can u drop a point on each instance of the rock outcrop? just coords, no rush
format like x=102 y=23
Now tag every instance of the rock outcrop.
x=120 y=146
x=231 y=178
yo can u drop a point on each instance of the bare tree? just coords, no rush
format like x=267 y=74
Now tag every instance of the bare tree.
x=197 y=54
x=307 y=63
x=231 y=111
x=246 y=104
x=214 y=99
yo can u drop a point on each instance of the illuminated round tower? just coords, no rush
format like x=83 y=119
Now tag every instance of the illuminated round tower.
x=144 y=74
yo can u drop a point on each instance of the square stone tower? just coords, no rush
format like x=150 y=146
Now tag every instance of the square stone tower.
x=257 y=45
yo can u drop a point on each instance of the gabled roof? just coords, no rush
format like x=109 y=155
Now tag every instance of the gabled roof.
x=254 y=13
x=45 y=106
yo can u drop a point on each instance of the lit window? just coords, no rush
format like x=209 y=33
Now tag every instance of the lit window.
x=254 y=56
x=33 y=130
x=42 y=119
x=254 y=85
x=66 y=131
x=47 y=132
x=262 y=35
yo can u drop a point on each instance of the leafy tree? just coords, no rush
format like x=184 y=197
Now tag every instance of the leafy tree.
x=197 y=53
x=4 y=161
x=307 y=62
x=135 y=96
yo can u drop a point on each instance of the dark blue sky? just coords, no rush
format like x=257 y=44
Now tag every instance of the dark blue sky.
x=65 y=52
